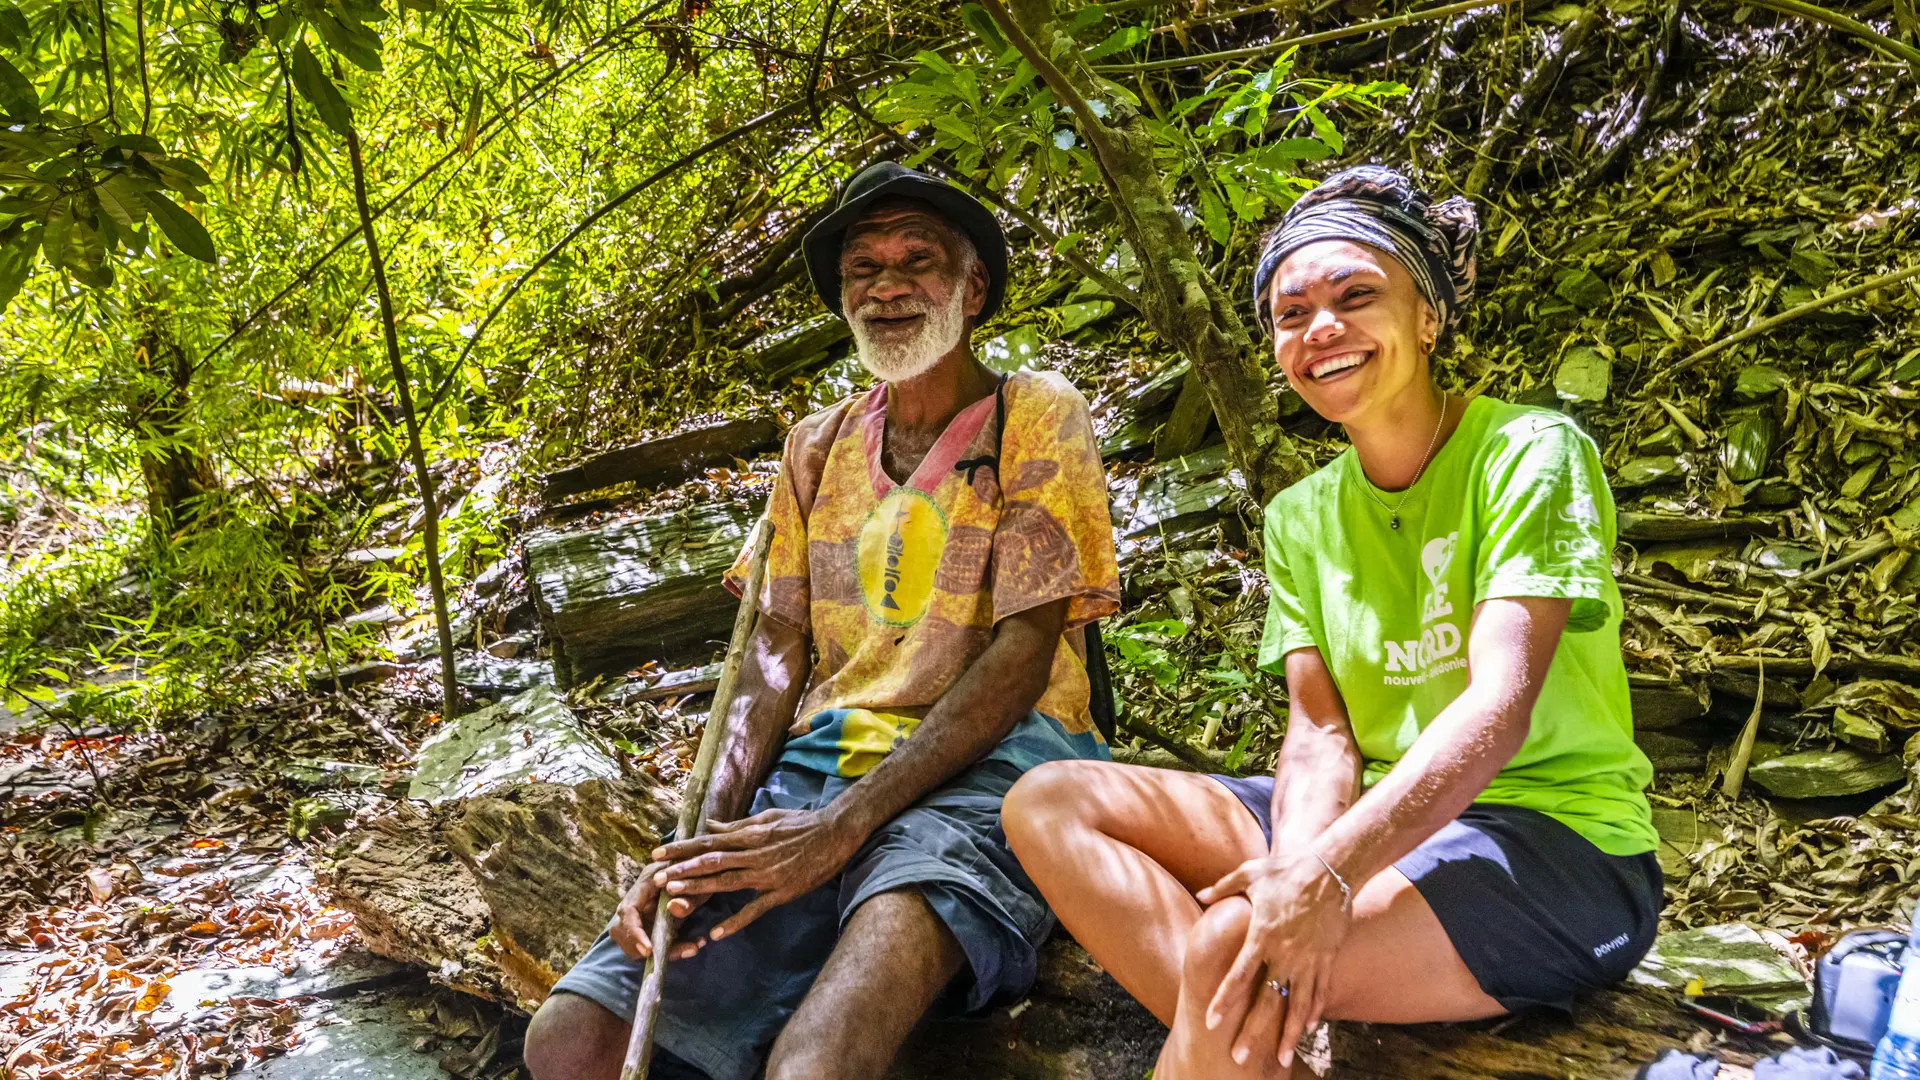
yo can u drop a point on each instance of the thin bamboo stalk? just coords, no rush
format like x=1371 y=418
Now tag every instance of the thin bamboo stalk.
x=1254 y=52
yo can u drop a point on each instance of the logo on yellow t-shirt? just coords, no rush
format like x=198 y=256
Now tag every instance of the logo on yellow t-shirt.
x=899 y=553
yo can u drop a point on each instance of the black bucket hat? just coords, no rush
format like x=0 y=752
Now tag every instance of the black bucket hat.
x=823 y=241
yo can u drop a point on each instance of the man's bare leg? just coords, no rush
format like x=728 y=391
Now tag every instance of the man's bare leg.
x=893 y=959
x=575 y=1038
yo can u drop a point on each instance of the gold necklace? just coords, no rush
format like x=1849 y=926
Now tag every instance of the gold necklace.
x=1393 y=512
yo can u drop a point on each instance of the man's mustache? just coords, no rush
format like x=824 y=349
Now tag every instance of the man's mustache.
x=892 y=309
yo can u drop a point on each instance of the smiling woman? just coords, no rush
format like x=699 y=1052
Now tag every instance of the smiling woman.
x=1457 y=826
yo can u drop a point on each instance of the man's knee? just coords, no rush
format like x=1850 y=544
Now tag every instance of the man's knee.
x=1214 y=942
x=575 y=1038
x=1043 y=800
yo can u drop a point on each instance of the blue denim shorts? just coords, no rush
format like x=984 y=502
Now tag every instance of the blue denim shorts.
x=1537 y=912
x=722 y=1008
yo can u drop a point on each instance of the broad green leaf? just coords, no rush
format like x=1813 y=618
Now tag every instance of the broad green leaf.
x=1119 y=41
x=1585 y=375
x=14 y=31
x=182 y=228
x=983 y=27
x=86 y=255
x=59 y=227
x=121 y=202
x=1213 y=213
x=18 y=99
x=1749 y=446
x=1760 y=380
x=358 y=44
x=957 y=128
x=16 y=263
x=470 y=127
x=318 y=89
x=188 y=168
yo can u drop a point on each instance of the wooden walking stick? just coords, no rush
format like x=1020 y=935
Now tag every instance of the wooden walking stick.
x=693 y=818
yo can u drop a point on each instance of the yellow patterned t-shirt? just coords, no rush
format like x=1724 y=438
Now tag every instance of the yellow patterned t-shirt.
x=900 y=585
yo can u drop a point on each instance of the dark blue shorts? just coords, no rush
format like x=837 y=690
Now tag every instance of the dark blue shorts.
x=1538 y=913
x=721 y=1008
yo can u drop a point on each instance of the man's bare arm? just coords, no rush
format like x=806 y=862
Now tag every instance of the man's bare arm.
x=968 y=721
x=783 y=854
x=773 y=675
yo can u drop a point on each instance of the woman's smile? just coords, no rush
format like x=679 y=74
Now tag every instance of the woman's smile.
x=1337 y=365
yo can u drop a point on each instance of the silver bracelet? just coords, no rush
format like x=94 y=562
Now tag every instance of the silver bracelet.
x=1346 y=891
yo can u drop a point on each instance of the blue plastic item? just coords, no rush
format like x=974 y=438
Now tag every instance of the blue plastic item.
x=1854 y=987
x=1898 y=1055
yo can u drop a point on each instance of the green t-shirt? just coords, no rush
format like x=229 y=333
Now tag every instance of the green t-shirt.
x=1515 y=504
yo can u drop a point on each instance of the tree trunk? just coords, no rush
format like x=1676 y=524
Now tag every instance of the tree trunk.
x=1183 y=303
x=171 y=462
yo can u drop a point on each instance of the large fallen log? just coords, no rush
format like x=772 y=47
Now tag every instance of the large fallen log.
x=520 y=833
x=660 y=462
x=612 y=596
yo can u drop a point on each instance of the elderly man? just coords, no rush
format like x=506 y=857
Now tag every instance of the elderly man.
x=938 y=541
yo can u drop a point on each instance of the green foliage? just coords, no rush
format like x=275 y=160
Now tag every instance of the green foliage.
x=1234 y=148
x=1144 y=646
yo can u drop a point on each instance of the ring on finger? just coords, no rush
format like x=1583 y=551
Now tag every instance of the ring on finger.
x=1277 y=987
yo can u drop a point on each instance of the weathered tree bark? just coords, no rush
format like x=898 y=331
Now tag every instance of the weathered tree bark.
x=611 y=597
x=1183 y=303
x=671 y=460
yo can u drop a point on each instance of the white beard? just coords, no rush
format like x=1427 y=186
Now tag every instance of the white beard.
x=898 y=360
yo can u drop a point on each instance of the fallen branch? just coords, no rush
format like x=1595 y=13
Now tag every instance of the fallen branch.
x=1199 y=760
x=1875 y=545
x=1895 y=667
x=1736 y=776
x=1614 y=159
x=1788 y=316
x=1255 y=52
x=1532 y=93
x=1685 y=596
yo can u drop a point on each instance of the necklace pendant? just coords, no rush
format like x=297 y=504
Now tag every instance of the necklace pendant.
x=1393 y=522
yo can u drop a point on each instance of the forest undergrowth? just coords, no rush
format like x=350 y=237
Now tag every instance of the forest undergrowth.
x=1700 y=221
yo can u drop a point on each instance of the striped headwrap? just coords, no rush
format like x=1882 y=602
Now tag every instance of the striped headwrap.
x=1379 y=207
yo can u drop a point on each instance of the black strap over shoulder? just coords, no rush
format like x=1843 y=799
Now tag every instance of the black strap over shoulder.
x=990 y=461
x=1099 y=679
x=1100 y=683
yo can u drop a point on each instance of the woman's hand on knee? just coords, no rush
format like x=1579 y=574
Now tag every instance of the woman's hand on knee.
x=1276 y=990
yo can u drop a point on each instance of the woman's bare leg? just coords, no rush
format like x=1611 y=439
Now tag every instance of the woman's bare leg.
x=1396 y=966
x=1119 y=851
